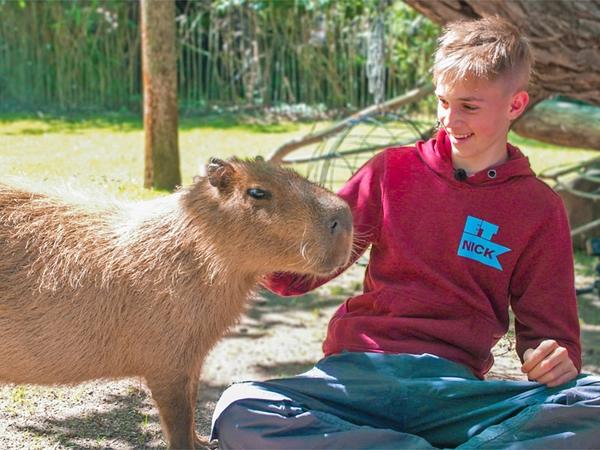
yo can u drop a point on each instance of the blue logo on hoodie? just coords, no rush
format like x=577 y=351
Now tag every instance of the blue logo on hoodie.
x=476 y=242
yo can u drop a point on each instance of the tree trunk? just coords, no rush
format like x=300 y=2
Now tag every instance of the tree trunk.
x=563 y=35
x=159 y=65
x=562 y=123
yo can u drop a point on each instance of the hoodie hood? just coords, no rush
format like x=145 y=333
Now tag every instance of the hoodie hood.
x=437 y=155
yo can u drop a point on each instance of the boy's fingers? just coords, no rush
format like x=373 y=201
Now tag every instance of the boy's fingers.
x=536 y=356
x=554 y=370
x=560 y=374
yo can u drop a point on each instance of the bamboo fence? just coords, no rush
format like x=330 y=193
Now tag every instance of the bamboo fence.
x=85 y=55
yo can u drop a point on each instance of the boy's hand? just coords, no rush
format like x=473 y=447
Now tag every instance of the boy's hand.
x=548 y=364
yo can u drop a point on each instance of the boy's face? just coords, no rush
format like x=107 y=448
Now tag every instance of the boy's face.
x=477 y=116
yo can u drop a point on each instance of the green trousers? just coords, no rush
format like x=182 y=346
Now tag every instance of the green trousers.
x=382 y=401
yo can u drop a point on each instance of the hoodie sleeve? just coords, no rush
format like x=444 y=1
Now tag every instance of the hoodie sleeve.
x=543 y=295
x=363 y=194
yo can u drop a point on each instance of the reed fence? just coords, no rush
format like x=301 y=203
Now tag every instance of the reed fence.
x=70 y=55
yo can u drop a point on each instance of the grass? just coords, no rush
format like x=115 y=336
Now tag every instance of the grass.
x=544 y=156
x=106 y=151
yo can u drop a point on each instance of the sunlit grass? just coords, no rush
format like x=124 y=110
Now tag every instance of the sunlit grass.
x=108 y=154
x=106 y=151
x=543 y=155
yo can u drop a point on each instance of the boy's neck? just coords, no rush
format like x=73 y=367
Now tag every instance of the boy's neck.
x=472 y=167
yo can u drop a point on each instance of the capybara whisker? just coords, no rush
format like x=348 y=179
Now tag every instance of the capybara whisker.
x=303 y=250
x=113 y=289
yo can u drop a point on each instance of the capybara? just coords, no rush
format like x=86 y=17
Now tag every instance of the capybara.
x=115 y=289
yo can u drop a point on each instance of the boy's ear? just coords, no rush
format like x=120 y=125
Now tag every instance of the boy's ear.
x=518 y=104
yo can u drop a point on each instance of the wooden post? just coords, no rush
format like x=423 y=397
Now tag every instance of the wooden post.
x=159 y=66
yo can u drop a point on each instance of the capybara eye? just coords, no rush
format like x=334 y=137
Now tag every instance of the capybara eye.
x=258 y=194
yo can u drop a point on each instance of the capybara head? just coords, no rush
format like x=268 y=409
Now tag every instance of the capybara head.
x=262 y=208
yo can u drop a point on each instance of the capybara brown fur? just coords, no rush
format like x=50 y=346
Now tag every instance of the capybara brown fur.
x=147 y=288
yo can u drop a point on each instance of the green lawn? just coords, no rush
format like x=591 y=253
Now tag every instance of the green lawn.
x=107 y=151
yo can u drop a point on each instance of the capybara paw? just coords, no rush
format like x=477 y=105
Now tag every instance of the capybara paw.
x=204 y=444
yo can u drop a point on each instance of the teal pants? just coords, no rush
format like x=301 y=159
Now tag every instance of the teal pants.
x=381 y=401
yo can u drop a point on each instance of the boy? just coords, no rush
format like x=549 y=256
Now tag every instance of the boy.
x=460 y=230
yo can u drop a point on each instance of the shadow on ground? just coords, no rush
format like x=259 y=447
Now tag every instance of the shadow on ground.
x=125 y=424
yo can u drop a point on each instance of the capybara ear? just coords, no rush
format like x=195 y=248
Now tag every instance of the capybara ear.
x=219 y=172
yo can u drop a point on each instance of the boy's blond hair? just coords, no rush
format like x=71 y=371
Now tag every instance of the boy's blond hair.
x=486 y=49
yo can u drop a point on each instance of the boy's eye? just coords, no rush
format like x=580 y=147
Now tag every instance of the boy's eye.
x=470 y=107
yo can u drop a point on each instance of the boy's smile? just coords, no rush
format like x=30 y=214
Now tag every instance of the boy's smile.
x=477 y=115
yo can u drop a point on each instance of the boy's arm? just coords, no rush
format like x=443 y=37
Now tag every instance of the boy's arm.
x=290 y=284
x=363 y=194
x=545 y=304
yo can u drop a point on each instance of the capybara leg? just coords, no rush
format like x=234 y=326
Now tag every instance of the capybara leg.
x=176 y=402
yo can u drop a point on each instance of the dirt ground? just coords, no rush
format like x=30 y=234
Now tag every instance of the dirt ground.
x=277 y=337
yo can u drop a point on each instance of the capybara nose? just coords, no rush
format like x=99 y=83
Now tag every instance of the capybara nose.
x=335 y=226
x=342 y=233
x=339 y=225
x=341 y=222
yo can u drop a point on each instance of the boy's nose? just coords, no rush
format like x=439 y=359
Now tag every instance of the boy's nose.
x=449 y=117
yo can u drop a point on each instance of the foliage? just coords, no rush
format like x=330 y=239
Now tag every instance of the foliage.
x=68 y=54
x=414 y=39
x=85 y=55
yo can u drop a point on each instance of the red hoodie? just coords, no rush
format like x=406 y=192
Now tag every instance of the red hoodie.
x=449 y=257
